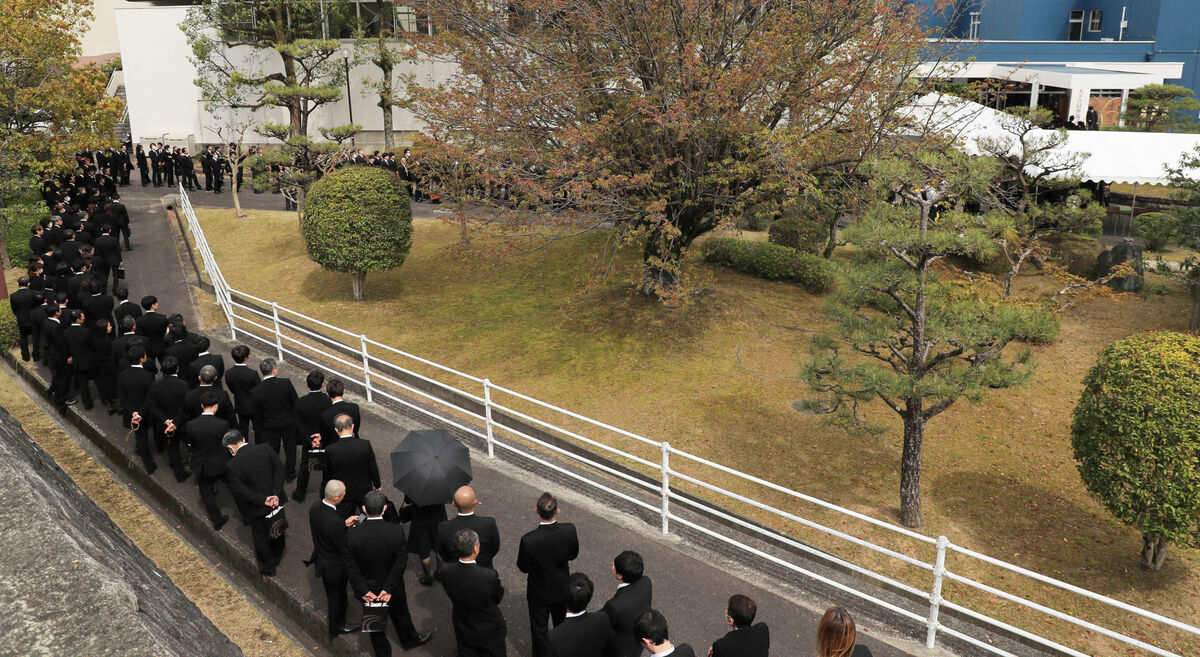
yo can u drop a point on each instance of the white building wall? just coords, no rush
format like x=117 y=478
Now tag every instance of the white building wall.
x=165 y=103
x=101 y=37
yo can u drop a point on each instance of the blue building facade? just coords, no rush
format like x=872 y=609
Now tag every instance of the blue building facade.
x=1075 y=32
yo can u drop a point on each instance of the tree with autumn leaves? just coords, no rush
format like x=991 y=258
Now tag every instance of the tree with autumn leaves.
x=663 y=120
x=50 y=106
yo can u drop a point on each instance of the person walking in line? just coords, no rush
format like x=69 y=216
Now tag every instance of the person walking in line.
x=489 y=535
x=746 y=639
x=634 y=595
x=837 y=635
x=545 y=554
x=650 y=629
x=582 y=634
x=475 y=593
x=256 y=480
x=330 y=554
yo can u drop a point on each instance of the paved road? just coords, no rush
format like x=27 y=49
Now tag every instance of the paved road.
x=691 y=584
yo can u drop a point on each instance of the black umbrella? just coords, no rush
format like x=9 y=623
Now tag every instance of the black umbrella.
x=429 y=465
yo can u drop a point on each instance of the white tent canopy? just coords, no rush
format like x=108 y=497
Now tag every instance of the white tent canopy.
x=1124 y=157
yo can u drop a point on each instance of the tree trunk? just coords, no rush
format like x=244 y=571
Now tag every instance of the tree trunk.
x=1194 y=323
x=1154 y=551
x=831 y=243
x=235 y=188
x=661 y=261
x=359 y=281
x=910 y=465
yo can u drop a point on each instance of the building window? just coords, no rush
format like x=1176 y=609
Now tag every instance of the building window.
x=1095 y=20
x=973 y=32
x=1075 y=27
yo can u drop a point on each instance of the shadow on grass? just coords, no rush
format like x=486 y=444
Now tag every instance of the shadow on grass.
x=1101 y=554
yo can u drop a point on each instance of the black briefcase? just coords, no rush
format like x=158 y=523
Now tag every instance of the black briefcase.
x=120 y=273
x=278 y=522
x=316 y=459
x=375 y=615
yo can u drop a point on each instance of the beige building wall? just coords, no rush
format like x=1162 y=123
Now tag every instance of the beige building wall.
x=101 y=39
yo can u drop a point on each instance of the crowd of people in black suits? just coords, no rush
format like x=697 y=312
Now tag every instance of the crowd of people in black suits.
x=181 y=402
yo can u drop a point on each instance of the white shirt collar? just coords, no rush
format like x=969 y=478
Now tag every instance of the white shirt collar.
x=269 y=376
x=576 y=614
x=326 y=503
x=622 y=585
x=665 y=652
x=370 y=518
x=547 y=522
x=464 y=515
x=461 y=560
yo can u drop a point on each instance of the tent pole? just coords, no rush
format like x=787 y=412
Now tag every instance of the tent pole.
x=1129 y=228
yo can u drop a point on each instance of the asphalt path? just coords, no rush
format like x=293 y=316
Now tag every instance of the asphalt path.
x=691 y=583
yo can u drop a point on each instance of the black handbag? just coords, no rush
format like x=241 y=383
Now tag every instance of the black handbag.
x=316 y=459
x=375 y=615
x=278 y=522
x=120 y=273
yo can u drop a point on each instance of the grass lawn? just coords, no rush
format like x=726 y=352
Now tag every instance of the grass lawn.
x=719 y=379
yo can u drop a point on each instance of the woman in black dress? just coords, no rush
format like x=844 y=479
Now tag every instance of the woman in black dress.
x=421 y=534
x=106 y=379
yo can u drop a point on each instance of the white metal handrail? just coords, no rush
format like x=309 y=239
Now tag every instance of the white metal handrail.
x=266 y=325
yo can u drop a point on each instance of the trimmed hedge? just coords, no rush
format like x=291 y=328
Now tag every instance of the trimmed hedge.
x=9 y=335
x=357 y=219
x=799 y=233
x=773 y=262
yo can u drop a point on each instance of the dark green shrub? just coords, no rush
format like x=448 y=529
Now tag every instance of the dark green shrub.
x=1136 y=434
x=759 y=217
x=9 y=335
x=357 y=219
x=799 y=233
x=1076 y=253
x=1157 y=228
x=771 y=261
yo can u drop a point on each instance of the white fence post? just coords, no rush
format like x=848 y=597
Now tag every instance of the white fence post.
x=666 y=487
x=366 y=366
x=935 y=596
x=278 y=339
x=487 y=414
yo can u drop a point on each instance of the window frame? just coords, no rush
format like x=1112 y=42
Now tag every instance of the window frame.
x=1095 y=20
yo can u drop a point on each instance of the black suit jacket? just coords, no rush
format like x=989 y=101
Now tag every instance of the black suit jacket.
x=308 y=414
x=120 y=350
x=475 y=593
x=255 y=474
x=153 y=325
x=330 y=551
x=207 y=359
x=328 y=435
x=185 y=353
x=79 y=347
x=545 y=554
x=753 y=641
x=109 y=250
x=489 y=538
x=133 y=388
x=623 y=609
x=589 y=635
x=126 y=308
x=240 y=380
x=378 y=553
x=209 y=456
x=352 y=461
x=22 y=302
x=165 y=402
x=192 y=408
x=275 y=403
x=98 y=306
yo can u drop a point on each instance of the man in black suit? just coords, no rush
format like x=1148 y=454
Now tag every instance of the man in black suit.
x=582 y=634
x=274 y=414
x=153 y=326
x=330 y=553
x=121 y=217
x=489 y=535
x=121 y=345
x=338 y=406
x=206 y=167
x=165 y=401
x=122 y=165
x=475 y=593
x=81 y=356
x=98 y=305
x=219 y=166
x=745 y=639
x=180 y=347
x=125 y=307
x=378 y=554
x=634 y=595
x=255 y=478
x=54 y=350
x=37 y=320
x=545 y=554
x=108 y=254
x=22 y=302
x=202 y=343
x=204 y=436
x=650 y=629
x=308 y=429
x=240 y=380
x=133 y=389
x=191 y=403
x=351 y=460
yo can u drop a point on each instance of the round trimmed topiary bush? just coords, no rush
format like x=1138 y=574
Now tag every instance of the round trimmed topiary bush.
x=357 y=220
x=1136 y=437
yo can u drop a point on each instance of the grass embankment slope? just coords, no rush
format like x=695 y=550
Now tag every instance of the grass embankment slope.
x=719 y=380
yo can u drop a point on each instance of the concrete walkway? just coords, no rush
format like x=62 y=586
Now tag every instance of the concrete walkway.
x=691 y=583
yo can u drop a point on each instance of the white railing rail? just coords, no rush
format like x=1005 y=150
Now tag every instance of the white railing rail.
x=607 y=467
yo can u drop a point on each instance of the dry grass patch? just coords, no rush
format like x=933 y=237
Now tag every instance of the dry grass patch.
x=719 y=380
